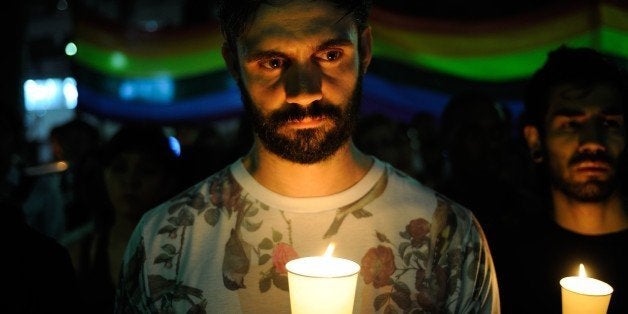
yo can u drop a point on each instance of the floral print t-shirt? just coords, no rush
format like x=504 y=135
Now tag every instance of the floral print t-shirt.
x=222 y=246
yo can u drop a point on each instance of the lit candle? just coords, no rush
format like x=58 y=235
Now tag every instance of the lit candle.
x=322 y=284
x=581 y=294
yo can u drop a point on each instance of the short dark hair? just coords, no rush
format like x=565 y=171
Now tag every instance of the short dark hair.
x=149 y=140
x=457 y=109
x=582 y=67
x=236 y=15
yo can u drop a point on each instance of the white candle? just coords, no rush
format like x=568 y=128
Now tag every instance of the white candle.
x=581 y=294
x=322 y=284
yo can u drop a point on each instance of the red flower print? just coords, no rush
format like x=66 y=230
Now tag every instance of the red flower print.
x=378 y=264
x=283 y=253
x=418 y=229
x=215 y=189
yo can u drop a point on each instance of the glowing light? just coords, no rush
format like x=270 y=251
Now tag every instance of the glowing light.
x=330 y=250
x=322 y=284
x=70 y=49
x=175 y=146
x=118 y=60
x=582 y=272
x=155 y=90
x=581 y=294
x=70 y=93
x=50 y=93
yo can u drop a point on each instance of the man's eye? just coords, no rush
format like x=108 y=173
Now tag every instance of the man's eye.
x=273 y=63
x=330 y=55
x=570 y=125
x=611 y=124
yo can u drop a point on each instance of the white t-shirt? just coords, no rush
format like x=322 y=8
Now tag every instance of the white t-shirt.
x=221 y=247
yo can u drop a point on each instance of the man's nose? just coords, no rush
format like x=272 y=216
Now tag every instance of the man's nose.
x=593 y=137
x=303 y=84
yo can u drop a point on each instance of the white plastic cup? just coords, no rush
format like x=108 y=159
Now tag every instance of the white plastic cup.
x=584 y=295
x=322 y=284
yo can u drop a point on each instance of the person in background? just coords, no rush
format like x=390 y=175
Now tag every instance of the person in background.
x=574 y=127
x=384 y=138
x=140 y=170
x=425 y=143
x=222 y=245
x=481 y=164
x=76 y=143
x=59 y=203
x=44 y=207
x=39 y=276
x=202 y=152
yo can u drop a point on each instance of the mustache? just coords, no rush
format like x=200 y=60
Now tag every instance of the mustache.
x=591 y=156
x=293 y=112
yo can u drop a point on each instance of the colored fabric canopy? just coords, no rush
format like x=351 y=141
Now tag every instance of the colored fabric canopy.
x=178 y=74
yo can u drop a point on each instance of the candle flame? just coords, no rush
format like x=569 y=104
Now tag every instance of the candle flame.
x=582 y=272
x=330 y=250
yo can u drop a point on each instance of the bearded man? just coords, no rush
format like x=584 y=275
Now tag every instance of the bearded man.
x=575 y=107
x=222 y=245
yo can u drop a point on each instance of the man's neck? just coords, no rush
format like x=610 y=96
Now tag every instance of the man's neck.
x=592 y=218
x=335 y=174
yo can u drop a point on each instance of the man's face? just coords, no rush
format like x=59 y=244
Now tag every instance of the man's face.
x=584 y=141
x=299 y=72
x=135 y=182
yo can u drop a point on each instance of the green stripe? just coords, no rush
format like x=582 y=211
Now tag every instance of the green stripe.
x=490 y=68
x=120 y=64
x=502 y=67
x=614 y=42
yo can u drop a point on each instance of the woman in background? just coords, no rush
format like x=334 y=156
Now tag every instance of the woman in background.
x=139 y=172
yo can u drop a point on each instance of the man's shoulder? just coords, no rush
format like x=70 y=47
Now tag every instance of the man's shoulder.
x=192 y=201
x=412 y=190
x=403 y=178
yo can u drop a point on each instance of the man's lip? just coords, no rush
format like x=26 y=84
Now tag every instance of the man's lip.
x=592 y=166
x=307 y=122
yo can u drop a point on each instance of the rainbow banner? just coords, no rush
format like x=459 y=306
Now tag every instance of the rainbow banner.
x=178 y=74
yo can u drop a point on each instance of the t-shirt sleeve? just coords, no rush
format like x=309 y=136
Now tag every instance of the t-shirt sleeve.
x=479 y=277
x=132 y=295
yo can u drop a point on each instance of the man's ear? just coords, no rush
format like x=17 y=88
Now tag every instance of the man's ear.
x=533 y=140
x=231 y=60
x=366 y=54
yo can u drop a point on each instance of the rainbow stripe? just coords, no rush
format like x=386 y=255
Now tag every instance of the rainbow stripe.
x=440 y=55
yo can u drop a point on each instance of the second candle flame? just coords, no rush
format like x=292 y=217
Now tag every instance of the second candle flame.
x=330 y=250
x=582 y=272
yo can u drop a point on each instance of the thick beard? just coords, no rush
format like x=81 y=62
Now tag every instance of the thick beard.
x=310 y=145
x=592 y=191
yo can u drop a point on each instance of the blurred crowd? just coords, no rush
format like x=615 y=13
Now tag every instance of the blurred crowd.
x=96 y=187
x=472 y=147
